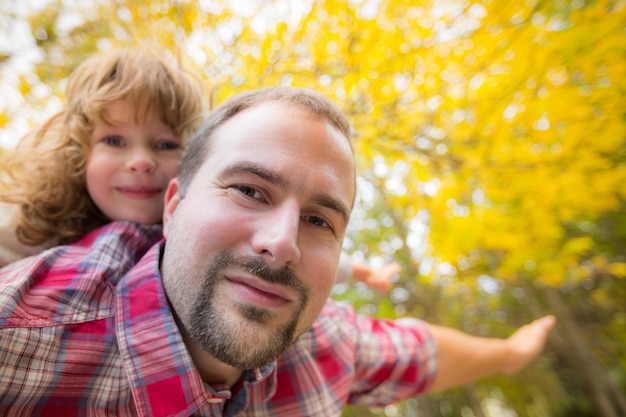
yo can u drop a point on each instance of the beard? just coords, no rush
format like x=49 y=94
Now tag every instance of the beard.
x=237 y=340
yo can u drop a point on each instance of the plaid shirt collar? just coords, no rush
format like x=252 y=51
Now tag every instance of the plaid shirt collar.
x=152 y=349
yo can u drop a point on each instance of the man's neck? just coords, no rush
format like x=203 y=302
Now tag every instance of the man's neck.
x=211 y=370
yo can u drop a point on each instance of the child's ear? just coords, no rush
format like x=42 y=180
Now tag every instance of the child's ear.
x=172 y=198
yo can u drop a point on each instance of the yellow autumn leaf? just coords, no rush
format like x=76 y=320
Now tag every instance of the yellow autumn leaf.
x=578 y=245
x=618 y=269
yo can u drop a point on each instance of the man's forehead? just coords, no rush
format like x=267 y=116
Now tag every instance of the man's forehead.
x=283 y=127
x=254 y=121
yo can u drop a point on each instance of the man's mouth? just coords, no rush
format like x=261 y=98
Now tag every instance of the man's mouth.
x=260 y=292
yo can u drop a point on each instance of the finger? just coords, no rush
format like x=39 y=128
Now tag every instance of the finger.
x=547 y=322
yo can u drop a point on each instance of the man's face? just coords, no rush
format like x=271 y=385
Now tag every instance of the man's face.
x=252 y=249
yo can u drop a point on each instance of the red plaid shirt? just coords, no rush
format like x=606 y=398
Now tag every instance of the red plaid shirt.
x=85 y=330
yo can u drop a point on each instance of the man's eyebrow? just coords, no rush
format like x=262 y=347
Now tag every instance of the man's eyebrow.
x=333 y=204
x=242 y=167
x=277 y=180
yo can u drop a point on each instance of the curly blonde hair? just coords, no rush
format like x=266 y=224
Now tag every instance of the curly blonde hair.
x=45 y=173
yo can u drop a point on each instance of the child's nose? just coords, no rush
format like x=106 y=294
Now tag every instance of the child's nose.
x=141 y=161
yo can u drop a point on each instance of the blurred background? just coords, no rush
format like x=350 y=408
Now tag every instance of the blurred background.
x=491 y=148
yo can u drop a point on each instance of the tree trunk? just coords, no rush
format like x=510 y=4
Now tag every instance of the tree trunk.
x=581 y=355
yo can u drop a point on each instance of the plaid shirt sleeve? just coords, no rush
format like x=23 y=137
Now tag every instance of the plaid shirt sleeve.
x=394 y=361
x=347 y=358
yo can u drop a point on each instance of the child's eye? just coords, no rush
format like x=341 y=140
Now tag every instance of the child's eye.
x=113 y=140
x=167 y=146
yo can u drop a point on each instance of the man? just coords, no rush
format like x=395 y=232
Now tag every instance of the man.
x=229 y=315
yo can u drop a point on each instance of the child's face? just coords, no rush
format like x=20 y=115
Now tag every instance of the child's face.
x=130 y=164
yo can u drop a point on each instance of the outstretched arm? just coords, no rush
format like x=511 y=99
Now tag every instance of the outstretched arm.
x=464 y=358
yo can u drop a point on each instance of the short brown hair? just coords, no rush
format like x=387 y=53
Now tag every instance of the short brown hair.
x=200 y=144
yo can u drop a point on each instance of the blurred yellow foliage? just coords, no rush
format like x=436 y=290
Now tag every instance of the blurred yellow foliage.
x=618 y=269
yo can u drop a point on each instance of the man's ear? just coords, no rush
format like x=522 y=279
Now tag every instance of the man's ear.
x=172 y=198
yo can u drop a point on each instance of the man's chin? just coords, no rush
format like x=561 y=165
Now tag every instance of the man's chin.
x=258 y=315
x=252 y=352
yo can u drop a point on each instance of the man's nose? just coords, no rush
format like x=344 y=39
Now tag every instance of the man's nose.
x=141 y=160
x=276 y=235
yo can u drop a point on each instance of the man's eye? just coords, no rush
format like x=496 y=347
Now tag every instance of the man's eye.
x=249 y=191
x=317 y=221
x=113 y=140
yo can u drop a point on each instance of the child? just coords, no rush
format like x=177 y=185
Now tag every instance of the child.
x=380 y=279
x=107 y=155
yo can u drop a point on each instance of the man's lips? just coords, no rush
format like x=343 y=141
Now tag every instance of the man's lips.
x=140 y=192
x=260 y=292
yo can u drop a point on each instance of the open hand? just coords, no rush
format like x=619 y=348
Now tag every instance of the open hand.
x=527 y=343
